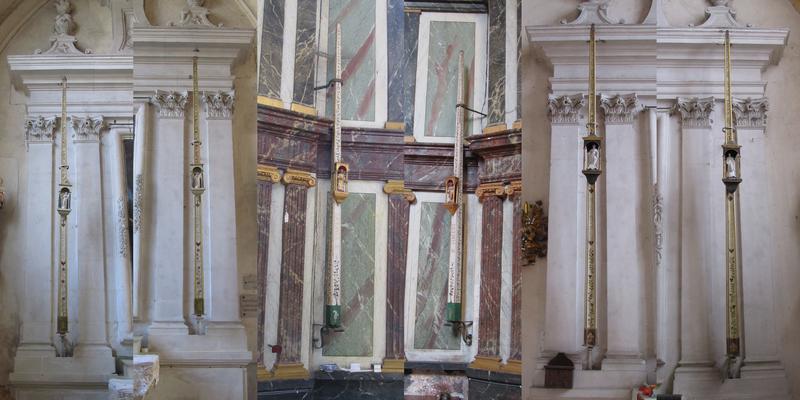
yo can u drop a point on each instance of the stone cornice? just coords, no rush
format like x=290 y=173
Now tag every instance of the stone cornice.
x=750 y=113
x=169 y=104
x=566 y=110
x=620 y=108
x=695 y=112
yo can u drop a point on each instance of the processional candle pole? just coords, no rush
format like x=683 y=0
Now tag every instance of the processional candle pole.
x=591 y=169
x=339 y=171
x=454 y=203
x=731 y=178
x=63 y=208
x=197 y=188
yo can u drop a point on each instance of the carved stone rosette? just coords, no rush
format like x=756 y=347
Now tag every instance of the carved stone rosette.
x=750 y=113
x=695 y=112
x=170 y=104
x=40 y=129
x=87 y=128
x=219 y=105
x=620 y=108
x=566 y=110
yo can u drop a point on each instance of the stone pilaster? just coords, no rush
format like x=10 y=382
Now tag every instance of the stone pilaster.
x=491 y=275
x=166 y=258
x=266 y=177
x=288 y=364
x=624 y=265
x=89 y=239
x=400 y=200
x=515 y=353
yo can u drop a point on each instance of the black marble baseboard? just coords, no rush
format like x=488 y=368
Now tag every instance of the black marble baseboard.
x=488 y=390
x=493 y=376
x=335 y=385
x=295 y=389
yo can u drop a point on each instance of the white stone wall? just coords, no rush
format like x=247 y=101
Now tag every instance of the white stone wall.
x=780 y=140
x=30 y=28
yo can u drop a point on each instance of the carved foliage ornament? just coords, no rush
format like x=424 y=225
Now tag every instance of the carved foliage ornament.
x=695 y=112
x=87 y=128
x=40 y=129
x=565 y=110
x=194 y=15
x=750 y=113
x=533 y=238
x=620 y=109
x=62 y=41
x=219 y=105
x=169 y=104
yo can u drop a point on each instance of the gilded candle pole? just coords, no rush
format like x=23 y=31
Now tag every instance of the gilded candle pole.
x=731 y=178
x=454 y=202
x=339 y=170
x=197 y=188
x=591 y=169
x=64 y=207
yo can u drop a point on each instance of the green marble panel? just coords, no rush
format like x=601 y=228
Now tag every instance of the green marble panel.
x=430 y=331
x=358 y=279
x=447 y=39
x=357 y=18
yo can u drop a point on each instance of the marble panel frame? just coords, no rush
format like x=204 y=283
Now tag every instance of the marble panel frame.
x=472 y=280
x=381 y=97
x=379 y=290
x=478 y=100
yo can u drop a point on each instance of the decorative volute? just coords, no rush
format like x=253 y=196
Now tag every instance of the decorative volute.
x=63 y=41
x=721 y=15
x=593 y=12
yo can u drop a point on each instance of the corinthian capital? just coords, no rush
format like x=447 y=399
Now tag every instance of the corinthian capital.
x=219 y=105
x=695 y=112
x=169 y=104
x=87 y=128
x=750 y=113
x=566 y=110
x=621 y=108
x=40 y=129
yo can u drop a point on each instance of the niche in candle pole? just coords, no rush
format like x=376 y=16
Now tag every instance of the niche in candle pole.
x=451 y=188
x=64 y=200
x=339 y=177
x=591 y=158
x=731 y=161
x=198 y=184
